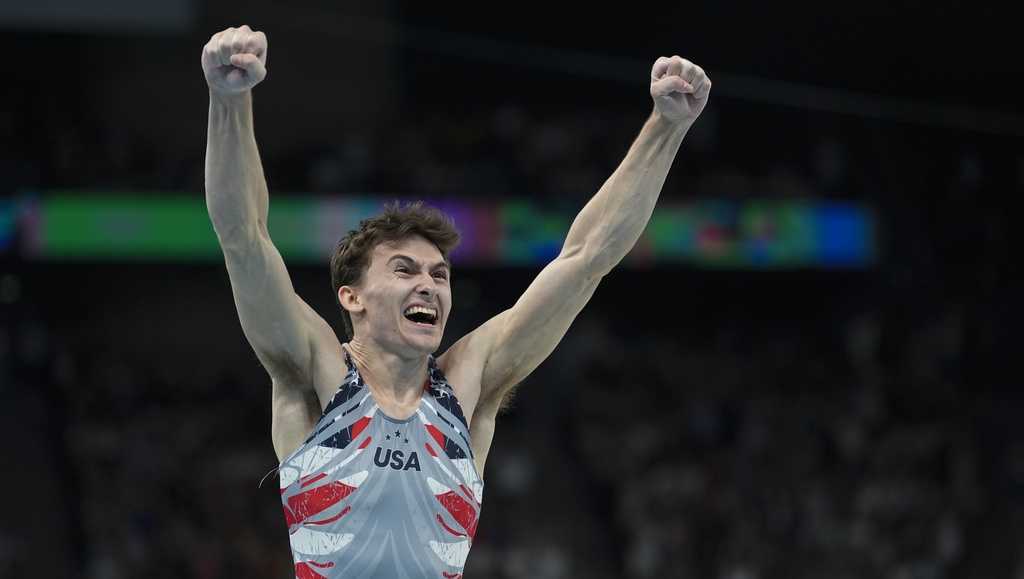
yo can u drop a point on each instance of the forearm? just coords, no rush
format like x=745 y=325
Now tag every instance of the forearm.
x=236 y=190
x=612 y=221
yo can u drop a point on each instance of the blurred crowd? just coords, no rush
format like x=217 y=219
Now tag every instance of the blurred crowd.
x=781 y=457
x=738 y=443
x=853 y=447
x=510 y=149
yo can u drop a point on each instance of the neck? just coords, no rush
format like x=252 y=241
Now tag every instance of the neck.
x=397 y=379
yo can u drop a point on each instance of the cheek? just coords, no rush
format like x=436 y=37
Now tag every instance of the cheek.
x=379 y=301
x=447 y=301
x=382 y=292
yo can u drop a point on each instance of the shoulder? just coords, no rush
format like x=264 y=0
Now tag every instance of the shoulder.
x=465 y=361
x=328 y=365
x=475 y=347
x=464 y=364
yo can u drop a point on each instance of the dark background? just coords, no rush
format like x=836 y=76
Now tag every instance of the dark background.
x=693 y=423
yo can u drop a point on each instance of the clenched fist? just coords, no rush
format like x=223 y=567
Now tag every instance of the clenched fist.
x=235 y=60
x=679 y=89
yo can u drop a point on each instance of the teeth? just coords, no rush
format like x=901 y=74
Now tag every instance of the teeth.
x=421 y=310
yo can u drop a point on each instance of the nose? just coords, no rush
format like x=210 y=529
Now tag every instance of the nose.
x=426 y=287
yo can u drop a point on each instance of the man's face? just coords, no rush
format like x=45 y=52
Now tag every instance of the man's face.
x=405 y=296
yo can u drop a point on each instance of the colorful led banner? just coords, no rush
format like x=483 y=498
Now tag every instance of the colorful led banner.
x=727 y=234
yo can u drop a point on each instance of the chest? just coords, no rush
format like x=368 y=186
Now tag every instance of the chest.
x=357 y=450
x=463 y=377
x=400 y=445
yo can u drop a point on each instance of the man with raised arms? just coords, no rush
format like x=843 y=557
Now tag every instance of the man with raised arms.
x=382 y=445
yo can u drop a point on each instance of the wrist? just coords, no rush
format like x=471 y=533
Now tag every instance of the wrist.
x=663 y=124
x=231 y=99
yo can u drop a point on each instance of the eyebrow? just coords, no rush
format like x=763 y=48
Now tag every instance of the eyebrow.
x=443 y=264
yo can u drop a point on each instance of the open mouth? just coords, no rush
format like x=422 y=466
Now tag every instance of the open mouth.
x=421 y=315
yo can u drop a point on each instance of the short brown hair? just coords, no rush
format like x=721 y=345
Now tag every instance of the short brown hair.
x=351 y=256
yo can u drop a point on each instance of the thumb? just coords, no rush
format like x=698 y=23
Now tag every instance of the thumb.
x=251 y=63
x=670 y=84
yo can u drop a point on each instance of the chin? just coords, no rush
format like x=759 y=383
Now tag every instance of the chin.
x=426 y=344
x=430 y=345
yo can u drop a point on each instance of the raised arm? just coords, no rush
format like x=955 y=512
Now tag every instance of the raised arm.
x=281 y=328
x=516 y=341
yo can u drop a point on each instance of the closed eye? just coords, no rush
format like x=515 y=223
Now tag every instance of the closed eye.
x=441 y=275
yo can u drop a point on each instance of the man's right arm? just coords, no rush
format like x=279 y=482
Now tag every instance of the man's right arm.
x=280 y=327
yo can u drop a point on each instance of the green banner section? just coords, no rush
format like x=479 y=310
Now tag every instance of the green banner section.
x=112 y=227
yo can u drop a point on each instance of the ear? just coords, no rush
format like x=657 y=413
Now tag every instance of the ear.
x=348 y=297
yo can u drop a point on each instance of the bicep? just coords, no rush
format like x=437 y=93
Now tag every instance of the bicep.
x=525 y=335
x=278 y=325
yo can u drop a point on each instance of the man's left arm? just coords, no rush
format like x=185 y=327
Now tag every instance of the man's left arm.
x=520 y=338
